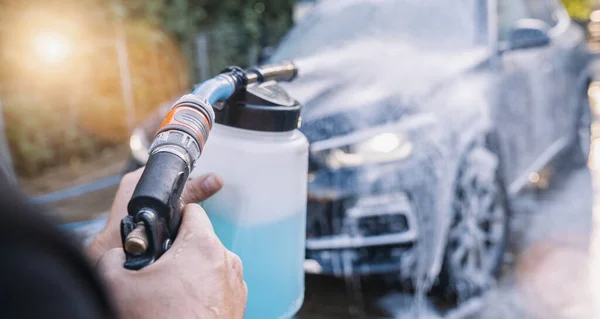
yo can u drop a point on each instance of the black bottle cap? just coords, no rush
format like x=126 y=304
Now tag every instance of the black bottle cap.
x=265 y=107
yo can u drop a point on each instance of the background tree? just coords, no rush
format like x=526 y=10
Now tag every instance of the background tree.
x=579 y=9
x=126 y=58
x=238 y=29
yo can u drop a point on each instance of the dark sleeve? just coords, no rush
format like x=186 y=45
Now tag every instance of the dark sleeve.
x=43 y=273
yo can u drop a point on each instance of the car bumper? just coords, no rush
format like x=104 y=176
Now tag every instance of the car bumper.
x=376 y=235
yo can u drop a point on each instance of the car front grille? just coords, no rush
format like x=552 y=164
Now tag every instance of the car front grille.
x=382 y=224
x=375 y=220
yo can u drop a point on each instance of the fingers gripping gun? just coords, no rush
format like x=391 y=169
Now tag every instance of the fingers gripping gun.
x=155 y=206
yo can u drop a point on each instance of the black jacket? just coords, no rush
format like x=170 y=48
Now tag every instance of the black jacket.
x=43 y=272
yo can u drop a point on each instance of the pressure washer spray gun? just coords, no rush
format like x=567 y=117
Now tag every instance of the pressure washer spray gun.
x=155 y=207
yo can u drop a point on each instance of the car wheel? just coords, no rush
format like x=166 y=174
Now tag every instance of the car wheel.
x=584 y=132
x=478 y=233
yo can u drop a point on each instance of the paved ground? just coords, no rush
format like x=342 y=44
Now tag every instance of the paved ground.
x=109 y=163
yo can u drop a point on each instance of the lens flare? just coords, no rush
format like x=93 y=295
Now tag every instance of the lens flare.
x=51 y=46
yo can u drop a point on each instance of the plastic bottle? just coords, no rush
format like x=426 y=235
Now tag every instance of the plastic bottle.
x=260 y=214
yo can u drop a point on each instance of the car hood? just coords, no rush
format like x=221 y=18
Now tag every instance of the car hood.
x=370 y=82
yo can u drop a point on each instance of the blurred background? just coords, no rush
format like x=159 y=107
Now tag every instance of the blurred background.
x=78 y=77
x=88 y=72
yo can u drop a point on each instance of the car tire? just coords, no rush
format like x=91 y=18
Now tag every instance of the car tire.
x=478 y=233
x=584 y=132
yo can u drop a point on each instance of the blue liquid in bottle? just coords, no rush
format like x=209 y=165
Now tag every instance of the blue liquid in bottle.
x=272 y=255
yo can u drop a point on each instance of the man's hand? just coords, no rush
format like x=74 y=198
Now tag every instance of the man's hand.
x=196 y=190
x=196 y=278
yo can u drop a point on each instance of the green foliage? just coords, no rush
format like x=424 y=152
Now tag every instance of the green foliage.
x=579 y=9
x=41 y=135
x=238 y=29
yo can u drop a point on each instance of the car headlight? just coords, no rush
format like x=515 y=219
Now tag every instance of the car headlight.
x=384 y=147
x=138 y=145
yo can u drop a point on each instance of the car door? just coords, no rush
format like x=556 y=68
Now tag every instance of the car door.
x=560 y=86
x=540 y=88
x=519 y=102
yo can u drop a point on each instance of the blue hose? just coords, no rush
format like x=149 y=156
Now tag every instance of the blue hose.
x=216 y=89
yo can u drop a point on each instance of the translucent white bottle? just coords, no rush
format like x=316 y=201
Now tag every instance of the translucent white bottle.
x=260 y=214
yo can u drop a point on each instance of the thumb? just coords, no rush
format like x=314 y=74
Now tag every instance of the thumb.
x=200 y=188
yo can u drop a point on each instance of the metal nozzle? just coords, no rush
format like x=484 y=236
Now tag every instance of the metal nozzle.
x=284 y=71
x=136 y=242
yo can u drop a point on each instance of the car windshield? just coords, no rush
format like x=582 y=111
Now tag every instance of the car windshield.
x=427 y=24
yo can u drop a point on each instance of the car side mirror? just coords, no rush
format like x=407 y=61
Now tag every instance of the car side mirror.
x=529 y=33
